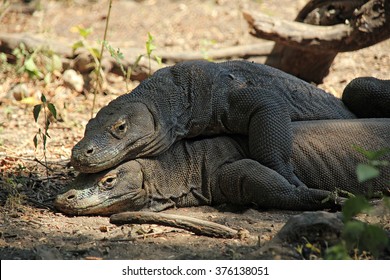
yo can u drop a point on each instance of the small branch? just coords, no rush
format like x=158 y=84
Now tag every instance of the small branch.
x=259 y=49
x=145 y=235
x=194 y=225
x=44 y=164
x=98 y=82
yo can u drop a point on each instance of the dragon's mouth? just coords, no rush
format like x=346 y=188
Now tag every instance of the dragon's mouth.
x=106 y=206
x=88 y=167
x=116 y=155
x=83 y=207
x=63 y=204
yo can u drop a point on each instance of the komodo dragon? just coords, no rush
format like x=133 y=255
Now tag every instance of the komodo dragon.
x=217 y=170
x=358 y=96
x=204 y=98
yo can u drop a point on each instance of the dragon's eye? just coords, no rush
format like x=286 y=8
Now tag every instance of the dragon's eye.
x=120 y=126
x=108 y=181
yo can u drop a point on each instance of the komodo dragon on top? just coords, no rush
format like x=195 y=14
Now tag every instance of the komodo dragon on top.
x=217 y=170
x=204 y=98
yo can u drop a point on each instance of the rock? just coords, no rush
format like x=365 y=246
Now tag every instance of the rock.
x=107 y=65
x=19 y=92
x=46 y=252
x=73 y=80
x=84 y=63
x=314 y=226
x=309 y=227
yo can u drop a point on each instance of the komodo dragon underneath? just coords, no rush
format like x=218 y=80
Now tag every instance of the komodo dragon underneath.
x=217 y=170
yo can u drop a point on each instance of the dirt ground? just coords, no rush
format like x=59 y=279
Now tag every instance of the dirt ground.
x=29 y=227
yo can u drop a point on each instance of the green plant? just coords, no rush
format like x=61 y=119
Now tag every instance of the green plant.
x=359 y=237
x=51 y=63
x=96 y=56
x=39 y=64
x=371 y=169
x=116 y=54
x=25 y=62
x=205 y=47
x=5 y=66
x=308 y=250
x=119 y=57
x=94 y=52
x=42 y=133
x=337 y=252
x=150 y=47
x=83 y=43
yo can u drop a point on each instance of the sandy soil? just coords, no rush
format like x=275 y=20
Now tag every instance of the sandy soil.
x=29 y=227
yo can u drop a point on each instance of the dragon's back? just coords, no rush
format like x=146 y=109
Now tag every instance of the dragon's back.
x=325 y=152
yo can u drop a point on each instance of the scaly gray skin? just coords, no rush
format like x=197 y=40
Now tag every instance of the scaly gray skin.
x=217 y=170
x=204 y=98
x=368 y=97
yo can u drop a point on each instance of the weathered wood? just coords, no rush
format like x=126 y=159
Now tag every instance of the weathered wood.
x=306 y=49
x=369 y=25
x=9 y=42
x=194 y=225
x=250 y=50
x=296 y=34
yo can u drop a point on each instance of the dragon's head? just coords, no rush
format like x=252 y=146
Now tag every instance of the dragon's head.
x=119 y=131
x=104 y=193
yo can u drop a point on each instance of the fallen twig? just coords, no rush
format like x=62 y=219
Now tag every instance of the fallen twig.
x=259 y=49
x=142 y=236
x=44 y=165
x=197 y=226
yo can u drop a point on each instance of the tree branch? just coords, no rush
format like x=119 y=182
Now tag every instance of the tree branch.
x=368 y=25
x=307 y=47
x=194 y=225
x=296 y=34
x=260 y=49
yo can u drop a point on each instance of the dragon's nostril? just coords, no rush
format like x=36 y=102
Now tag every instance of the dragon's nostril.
x=89 y=152
x=72 y=196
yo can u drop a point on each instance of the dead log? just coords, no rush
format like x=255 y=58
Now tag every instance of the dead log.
x=197 y=226
x=9 y=42
x=307 y=47
x=63 y=48
x=298 y=35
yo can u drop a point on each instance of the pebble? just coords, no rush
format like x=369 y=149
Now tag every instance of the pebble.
x=83 y=63
x=73 y=80
x=19 y=91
